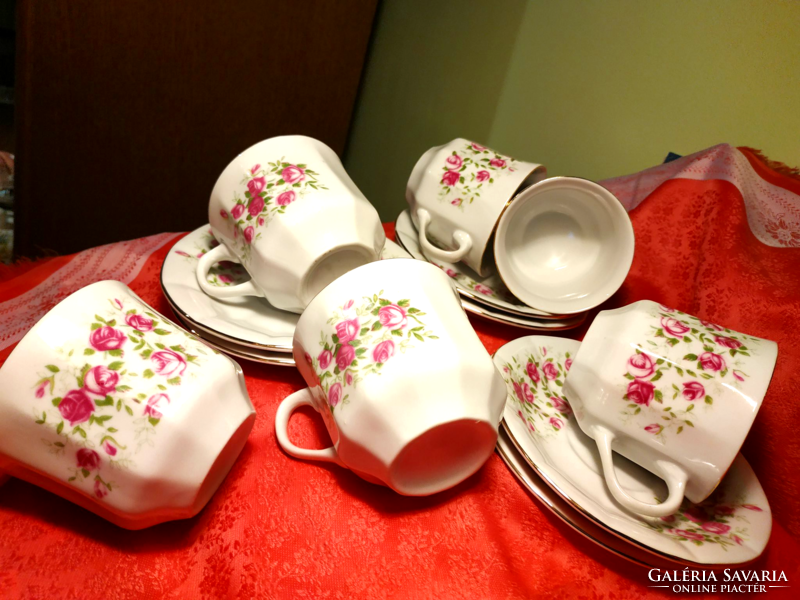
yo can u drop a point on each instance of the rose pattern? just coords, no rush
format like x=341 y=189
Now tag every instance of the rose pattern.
x=534 y=380
x=224 y=273
x=716 y=520
x=126 y=360
x=268 y=191
x=716 y=356
x=466 y=173
x=362 y=339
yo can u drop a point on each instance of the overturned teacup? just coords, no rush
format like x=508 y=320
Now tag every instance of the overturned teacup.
x=408 y=393
x=113 y=407
x=671 y=392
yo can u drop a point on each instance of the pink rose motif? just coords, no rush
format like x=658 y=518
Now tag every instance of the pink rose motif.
x=41 y=388
x=478 y=147
x=527 y=394
x=737 y=539
x=454 y=162
x=286 y=198
x=348 y=305
x=668 y=519
x=87 y=459
x=101 y=380
x=118 y=302
x=518 y=391
x=348 y=378
x=713 y=326
x=383 y=351
x=256 y=206
x=151 y=410
x=76 y=407
x=456 y=202
x=550 y=371
x=727 y=342
x=225 y=278
x=182 y=253
x=254 y=169
x=256 y=185
x=711 y=362
x=498 y=163
x=450 y=178
x=689 y=535
x=107 y=338
x=738 y=374
x=674 y=327
x=641 y=366
x=695 y=514
x=260 y=221
x=560 y=405
x=482 y=289
x=347 y=330
x=655 y=429
x=693 y=390
x=723 y=510
x=249 y=233
x=714 y=527
x=293 y=174
x=324 y=359
x=109 y=448
x=752 y=507
x=139 y=322
x=213 y=243
x=641 y=392
x=482 y=175
x=237 y=211
x=335 y=394
x=531 y=427
x=450 y=273
x=168 y=363
x=533 y=372
x=100 y=489
x=223 y=214
x=392 y=317
x=556 y=422
x=345 y=356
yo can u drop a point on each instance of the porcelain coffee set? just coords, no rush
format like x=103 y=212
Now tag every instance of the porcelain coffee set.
x=631 y=437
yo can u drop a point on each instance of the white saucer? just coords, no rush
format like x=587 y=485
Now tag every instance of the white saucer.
x=732 y=527
x=518 y=321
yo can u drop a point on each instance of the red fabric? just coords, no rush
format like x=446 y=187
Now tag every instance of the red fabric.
x=285 y=528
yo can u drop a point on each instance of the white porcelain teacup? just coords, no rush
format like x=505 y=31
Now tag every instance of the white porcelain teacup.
x=671 y=392
x=564 y=245
x=408 y=393
x=456 y=194
x=287 y=210
x=113 y=407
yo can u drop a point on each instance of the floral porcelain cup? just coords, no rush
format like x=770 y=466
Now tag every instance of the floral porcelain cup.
x=111 y=406
x=289 y=213
x=456 y=194
x=671 y=392
x=408 y=393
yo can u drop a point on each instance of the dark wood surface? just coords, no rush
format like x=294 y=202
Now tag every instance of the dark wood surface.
x=128 y=111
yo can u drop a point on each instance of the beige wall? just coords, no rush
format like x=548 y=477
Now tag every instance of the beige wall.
x=589 y=88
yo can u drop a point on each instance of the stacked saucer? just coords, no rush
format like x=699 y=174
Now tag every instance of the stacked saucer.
x=246 y=327
x=485 y=296
x=560 y=465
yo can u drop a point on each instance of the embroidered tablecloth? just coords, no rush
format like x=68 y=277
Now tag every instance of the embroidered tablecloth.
x=717 y=236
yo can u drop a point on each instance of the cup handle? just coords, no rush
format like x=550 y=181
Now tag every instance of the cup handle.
x=672 y=474
x=462 y=238
x=207 y=261
x=285 y=410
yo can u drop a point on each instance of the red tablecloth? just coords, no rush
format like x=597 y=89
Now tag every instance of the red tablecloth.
x=284 y=528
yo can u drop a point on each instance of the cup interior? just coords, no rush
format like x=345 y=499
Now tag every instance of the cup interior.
x=564 y=245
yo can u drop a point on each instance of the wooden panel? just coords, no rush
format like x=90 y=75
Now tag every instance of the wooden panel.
x=128 y=111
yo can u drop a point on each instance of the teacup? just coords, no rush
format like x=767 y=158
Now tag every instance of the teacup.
x=564 y=245
x=287 y=210
x=671 y=392
x=456 y=194
x=108 y=404
x=408 y=393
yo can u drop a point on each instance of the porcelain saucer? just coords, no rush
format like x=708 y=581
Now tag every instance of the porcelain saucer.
x=731 y=527
x=489 y=291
